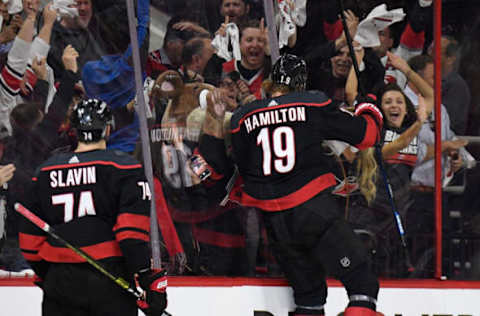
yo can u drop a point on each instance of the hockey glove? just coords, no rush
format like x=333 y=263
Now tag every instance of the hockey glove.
x=154 y=283
x=368 y=105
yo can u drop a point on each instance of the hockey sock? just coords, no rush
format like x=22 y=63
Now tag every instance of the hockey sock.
x=359 y=311
x=299 y=311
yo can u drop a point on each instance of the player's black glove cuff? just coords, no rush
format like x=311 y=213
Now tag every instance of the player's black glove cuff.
x=367 y=105
x=154 y=283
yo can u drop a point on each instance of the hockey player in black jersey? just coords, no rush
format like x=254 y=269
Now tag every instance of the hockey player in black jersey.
x=98 y=200
x=277 y=147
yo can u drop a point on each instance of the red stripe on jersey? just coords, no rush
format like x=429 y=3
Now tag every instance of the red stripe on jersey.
x=412 y=40
x=11 y=79
x=218 y=239
x=95 y=162
x=279 y=107
x=333 y=30
x=132 y=220
x=405 y=159
x=31 y=257
x=30 y=242
x=102 y=250
x=196 y=216
x=132 y=235
x=298 y=197
x=167 y=228
x=371 y=134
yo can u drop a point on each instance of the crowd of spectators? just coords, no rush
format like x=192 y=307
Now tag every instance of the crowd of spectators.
x=54 y=52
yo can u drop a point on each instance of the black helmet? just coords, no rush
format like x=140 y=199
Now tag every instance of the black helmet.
x=291 y=71
x=90 y=117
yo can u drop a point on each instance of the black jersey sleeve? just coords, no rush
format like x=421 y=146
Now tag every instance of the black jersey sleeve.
x=132 y=225
x=213 y=151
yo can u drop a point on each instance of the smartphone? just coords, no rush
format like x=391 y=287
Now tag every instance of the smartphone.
x=199 y=168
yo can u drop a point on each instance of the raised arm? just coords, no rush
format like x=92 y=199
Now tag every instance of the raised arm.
x=425 y=89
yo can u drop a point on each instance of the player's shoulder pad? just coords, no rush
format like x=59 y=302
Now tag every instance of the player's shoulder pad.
x=312 y=98
x=121 y=157
x=243 y=111
x=55 y=160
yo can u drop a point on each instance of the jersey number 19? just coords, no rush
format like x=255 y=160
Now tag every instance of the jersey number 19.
x=280 y=151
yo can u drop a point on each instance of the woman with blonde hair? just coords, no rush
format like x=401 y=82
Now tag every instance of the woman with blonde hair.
x=399 y=153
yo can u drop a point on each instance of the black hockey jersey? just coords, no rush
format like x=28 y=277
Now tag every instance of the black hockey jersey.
x=277 y=146
x=98 y=201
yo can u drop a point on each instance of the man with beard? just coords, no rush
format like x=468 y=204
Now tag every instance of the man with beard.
x=76 y=29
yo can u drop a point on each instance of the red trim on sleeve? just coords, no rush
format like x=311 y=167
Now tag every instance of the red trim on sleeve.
x=99 y=251
x=127 y=220
x=31 y=257
x=217 y=238
x=371 y=134
x=412 y=40
x=132 y=235
x=298 y=197
x=334 y=30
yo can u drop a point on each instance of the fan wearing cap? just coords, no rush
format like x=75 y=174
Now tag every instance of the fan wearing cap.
x=277 y=147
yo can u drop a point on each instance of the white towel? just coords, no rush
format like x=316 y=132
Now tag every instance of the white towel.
x=63 y=8
x=220 y=43
x=287 y=28
x=299 y=15
x=425 y=3
x=14 y=6
x=378 y=19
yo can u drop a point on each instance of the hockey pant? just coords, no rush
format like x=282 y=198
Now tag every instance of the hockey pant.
x=80 y=290
x=312 y=240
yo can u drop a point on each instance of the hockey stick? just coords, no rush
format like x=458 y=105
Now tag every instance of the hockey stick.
x=396 y=215
x=49 y=230
x=378 y=148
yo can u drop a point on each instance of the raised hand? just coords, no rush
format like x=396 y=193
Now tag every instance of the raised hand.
x=222 y=30
x=6 y=173
x=69 y=58
x=352 y=22
x=398 y=62
x=49 y=14
x=264 y=32
x=39 y=66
